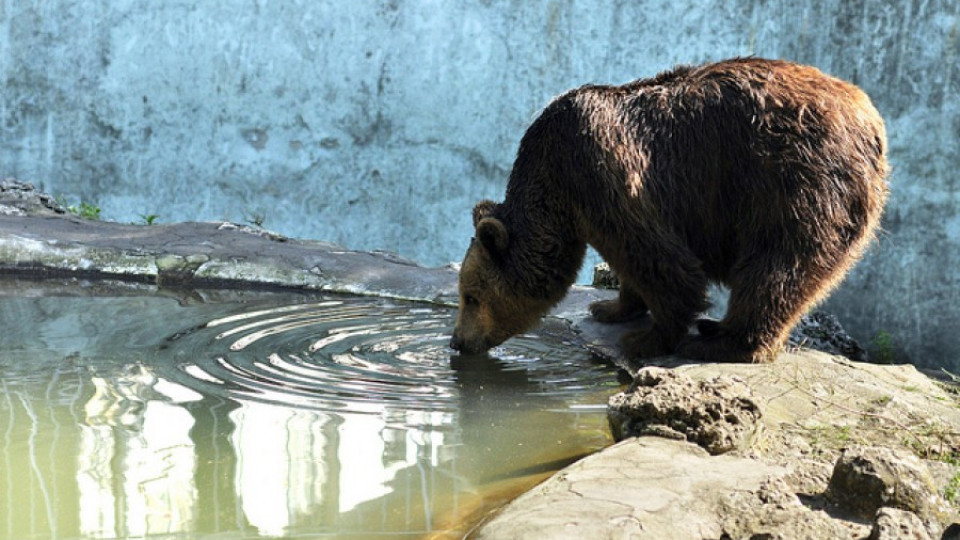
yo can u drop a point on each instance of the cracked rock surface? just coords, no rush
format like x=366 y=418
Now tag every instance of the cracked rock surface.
x=680 y=495
x=719 y=414
x=894 y=524
x=866 y=480
x=815 y=408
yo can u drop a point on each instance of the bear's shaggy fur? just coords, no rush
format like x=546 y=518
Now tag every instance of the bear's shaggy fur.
x=763 y=175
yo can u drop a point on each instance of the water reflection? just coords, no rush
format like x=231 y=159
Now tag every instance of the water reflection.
x=290 y=468
x=136 y=461
x=279 y=472
x=185 y=437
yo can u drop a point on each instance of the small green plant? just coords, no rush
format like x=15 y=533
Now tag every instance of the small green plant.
x=254 y=218
x=952 y=493
x=883 y=349
x=84 y=210
x=148 y=219
x=833 y=436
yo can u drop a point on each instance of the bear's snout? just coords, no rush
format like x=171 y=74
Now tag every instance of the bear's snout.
x=467 y=346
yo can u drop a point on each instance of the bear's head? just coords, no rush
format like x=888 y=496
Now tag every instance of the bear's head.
x=493 y=304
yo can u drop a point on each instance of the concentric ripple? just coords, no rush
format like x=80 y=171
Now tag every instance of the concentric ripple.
x=357 y=354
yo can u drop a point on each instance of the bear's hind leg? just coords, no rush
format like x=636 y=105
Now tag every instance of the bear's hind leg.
x=716 y=343
x=767 y=298
x=629 y=306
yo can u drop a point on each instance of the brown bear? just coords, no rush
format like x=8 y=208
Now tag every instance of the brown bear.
x=763 y=175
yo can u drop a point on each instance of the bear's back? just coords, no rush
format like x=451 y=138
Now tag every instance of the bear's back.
x=726 y=153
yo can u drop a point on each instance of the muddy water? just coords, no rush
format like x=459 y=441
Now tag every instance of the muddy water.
x=242 y=415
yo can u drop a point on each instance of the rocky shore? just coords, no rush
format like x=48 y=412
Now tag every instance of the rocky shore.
x=815 y=445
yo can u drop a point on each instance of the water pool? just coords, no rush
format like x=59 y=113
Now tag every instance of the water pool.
x=132 y=413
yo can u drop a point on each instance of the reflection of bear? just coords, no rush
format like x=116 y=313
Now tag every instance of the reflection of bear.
x=763 y=175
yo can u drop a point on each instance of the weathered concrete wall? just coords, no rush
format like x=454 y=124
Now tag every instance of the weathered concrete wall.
x=379 y=124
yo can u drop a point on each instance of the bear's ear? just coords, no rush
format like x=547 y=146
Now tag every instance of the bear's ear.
x=493 y=235
x=483 y=209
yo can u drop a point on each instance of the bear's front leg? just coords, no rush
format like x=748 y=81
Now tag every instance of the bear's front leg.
x=629 y=306
x=675 y=294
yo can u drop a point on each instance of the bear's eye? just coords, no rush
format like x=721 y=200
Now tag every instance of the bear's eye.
x=470 y=300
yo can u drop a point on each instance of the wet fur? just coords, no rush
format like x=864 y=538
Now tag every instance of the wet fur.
x=766 y=176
